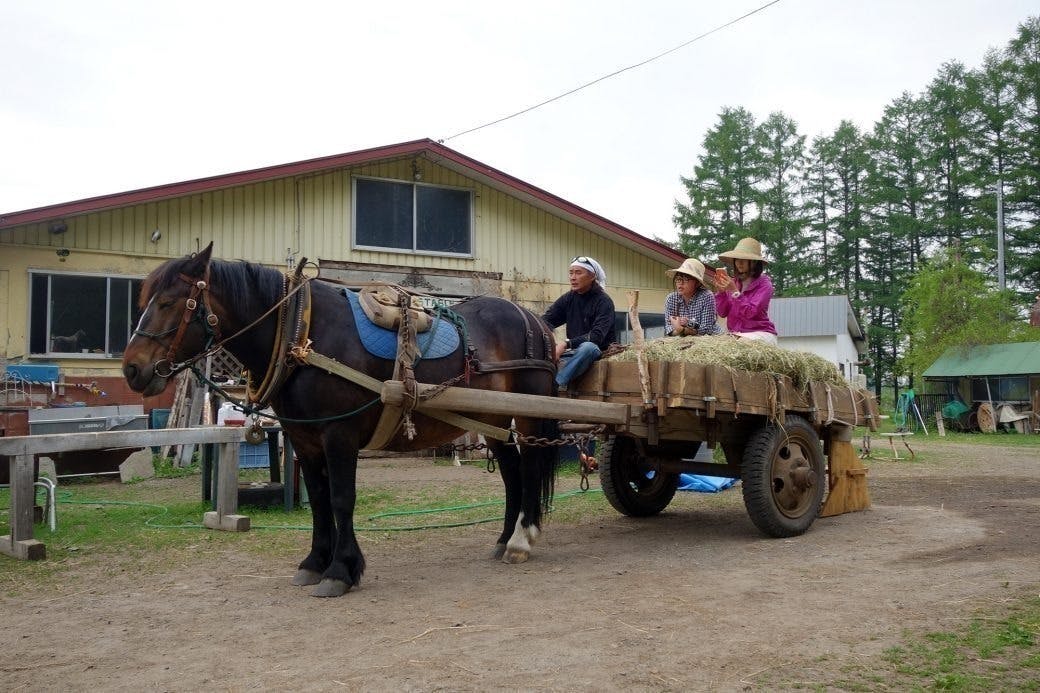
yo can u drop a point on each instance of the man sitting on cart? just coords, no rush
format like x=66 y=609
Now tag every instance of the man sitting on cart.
x=588 y=312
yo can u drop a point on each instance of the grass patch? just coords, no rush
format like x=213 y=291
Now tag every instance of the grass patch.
x=150 y=524
x=986 y=654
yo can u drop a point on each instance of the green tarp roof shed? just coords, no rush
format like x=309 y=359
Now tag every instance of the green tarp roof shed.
x=1022 y=358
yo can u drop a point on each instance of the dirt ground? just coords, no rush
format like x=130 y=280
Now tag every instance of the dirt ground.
x=695 y=599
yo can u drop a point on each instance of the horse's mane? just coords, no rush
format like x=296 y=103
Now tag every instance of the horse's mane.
x=241 y=281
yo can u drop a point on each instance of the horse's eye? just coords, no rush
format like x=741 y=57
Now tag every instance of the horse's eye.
x=165 y=303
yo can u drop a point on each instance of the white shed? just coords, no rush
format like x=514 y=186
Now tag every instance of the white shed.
x=822 y=325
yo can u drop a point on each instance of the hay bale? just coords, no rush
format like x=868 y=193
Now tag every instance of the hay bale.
x=744 y=354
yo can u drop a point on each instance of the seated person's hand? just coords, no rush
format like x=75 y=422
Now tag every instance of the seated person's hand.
x=560 y=348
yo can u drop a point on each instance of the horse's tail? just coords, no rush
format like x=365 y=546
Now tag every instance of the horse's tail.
x=548 y=460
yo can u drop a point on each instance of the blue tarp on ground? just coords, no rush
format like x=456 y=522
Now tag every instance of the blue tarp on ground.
x=704 y=484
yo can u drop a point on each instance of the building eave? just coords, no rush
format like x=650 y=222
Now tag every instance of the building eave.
x=426 y=148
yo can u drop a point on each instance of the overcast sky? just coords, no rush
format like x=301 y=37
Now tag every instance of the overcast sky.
x=102 y=97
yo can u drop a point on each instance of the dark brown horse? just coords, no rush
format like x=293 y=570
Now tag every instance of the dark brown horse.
x=215 y=299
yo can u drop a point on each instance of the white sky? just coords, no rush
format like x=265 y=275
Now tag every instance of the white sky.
x=101 y=97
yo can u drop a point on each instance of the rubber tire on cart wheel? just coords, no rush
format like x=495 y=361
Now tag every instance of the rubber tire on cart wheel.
x=784 y=477
x=629 y=482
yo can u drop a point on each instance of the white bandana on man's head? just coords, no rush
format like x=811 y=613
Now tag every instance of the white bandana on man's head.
x=590 y=265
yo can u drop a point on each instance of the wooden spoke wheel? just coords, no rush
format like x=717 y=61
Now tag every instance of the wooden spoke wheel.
x=784 y=477
x=630 y=482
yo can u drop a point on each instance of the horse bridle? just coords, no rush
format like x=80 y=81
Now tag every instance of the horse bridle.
x=194 y=309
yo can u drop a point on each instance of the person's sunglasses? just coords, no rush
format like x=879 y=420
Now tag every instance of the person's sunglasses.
x=580 y=258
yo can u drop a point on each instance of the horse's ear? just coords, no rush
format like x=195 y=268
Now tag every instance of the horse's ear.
x=196 y=266
x=206 y=252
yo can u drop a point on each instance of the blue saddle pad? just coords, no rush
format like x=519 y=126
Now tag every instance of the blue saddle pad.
x=442 y=339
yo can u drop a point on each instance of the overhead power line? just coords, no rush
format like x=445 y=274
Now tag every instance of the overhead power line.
x=612 y=74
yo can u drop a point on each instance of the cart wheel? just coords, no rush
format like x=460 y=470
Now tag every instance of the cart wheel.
x=783 y=477
x=629 y=483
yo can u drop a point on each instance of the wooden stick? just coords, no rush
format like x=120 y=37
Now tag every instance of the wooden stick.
x=639 y=341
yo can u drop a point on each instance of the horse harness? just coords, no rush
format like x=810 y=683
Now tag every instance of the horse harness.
x=193 y=309
x=292 y=347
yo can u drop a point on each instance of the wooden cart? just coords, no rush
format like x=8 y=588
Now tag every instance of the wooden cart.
x=791 y=448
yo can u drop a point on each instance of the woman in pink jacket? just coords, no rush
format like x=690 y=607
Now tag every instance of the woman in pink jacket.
x=743 y=299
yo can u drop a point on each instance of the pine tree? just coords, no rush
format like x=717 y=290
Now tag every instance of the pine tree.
x=721 y=192
x=945 y=109
x=819 y=199
x=990 y=97
x=780 y=225
x=1024 y=177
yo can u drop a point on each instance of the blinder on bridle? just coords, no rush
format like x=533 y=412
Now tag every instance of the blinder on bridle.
x=194 y=310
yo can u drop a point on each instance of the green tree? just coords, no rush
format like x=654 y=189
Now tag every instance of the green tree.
x=819 y=200
x=897 y=186
x=1024 y=184
x=721 y=193
x=780 y=225
x=991 y=101
x=945 y=109
x=834 y=207
x=949 y=304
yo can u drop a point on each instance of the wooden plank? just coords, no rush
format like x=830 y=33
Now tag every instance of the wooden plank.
x=101 y=440
x=662 y=388
x=463 y=399
x=23 y=497
x=227 y=479
x=225 y=517
x=467 y=424
x=847 y=478
x=20 y=543
x=198 y=395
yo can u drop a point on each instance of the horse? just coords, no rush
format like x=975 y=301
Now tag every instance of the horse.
x=193 y=304
x=70 y=343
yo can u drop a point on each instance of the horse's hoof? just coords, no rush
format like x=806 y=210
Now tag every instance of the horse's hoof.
x=330 y=588
x=498 y=552
x=514 y=556
x=306 y=577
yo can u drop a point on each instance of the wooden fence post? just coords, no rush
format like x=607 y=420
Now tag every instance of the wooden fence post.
x=20 y=543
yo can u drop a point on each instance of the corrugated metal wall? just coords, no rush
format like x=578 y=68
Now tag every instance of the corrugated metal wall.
x=311 y=215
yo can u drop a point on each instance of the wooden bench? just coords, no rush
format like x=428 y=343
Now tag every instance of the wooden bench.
x=19 y=450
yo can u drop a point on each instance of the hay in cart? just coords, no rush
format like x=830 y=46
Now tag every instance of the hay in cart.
x=801 y=367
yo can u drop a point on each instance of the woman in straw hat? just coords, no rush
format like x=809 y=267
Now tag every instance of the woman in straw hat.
x=743 y=299
x=690 y=309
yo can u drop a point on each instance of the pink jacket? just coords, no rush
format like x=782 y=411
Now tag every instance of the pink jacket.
x=748 y=312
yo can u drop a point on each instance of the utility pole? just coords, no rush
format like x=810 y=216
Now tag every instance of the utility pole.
x=1001 y=283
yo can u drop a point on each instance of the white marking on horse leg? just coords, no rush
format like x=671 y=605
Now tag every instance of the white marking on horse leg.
x=518 y=549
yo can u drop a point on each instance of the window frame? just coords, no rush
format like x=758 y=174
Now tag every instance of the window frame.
x=414 y=250
x=48 y=274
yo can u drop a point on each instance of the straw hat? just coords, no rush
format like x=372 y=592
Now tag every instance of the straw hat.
x=747 y=249
x=689 y=267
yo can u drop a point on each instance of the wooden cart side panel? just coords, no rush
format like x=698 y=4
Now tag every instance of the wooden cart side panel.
x=710 y=390
x=843 y=404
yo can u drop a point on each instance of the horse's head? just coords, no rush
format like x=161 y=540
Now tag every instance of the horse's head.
x=176 y=324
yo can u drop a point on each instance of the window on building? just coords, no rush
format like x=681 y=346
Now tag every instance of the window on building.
x=652 y=324
x=412 y=217
x=81 y=314
x=1001 y=389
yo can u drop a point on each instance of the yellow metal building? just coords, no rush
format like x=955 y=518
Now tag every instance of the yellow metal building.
x=416 y=213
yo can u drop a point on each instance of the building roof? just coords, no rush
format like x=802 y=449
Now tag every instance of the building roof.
x=815 y=316
x=1020 y=358
x=424 y=148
